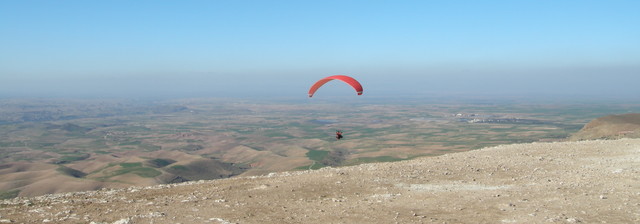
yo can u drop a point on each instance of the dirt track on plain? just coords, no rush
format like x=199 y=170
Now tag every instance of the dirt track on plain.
x=563 y=182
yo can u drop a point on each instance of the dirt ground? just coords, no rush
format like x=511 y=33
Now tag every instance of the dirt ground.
x=563 y=182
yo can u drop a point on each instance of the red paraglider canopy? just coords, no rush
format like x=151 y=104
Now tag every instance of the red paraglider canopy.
x=351 y=81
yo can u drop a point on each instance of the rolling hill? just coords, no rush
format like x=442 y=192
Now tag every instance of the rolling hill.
x=611 y=127
x=561 y=182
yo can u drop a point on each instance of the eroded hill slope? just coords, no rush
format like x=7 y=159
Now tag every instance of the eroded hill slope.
x=563 y=182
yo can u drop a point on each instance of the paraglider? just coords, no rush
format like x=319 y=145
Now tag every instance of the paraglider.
x=351 y=81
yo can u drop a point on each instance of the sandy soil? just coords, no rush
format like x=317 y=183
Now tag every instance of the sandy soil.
x=564 y=182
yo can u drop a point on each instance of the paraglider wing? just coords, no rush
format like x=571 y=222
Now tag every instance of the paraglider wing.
x=351 y=81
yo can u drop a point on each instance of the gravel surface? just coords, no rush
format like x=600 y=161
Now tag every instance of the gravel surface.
x=563 y=182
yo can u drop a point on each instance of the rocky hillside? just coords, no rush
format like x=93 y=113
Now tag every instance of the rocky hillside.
x=563 y=182
x=611 y=127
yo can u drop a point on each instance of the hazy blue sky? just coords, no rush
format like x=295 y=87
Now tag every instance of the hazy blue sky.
x=264 y=48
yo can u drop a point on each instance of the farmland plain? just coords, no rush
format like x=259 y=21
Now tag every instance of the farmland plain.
x=62 y=145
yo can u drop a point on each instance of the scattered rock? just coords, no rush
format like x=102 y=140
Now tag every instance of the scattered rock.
x=456 y=188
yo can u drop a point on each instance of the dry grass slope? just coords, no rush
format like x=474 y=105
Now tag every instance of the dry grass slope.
x=611 y=127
